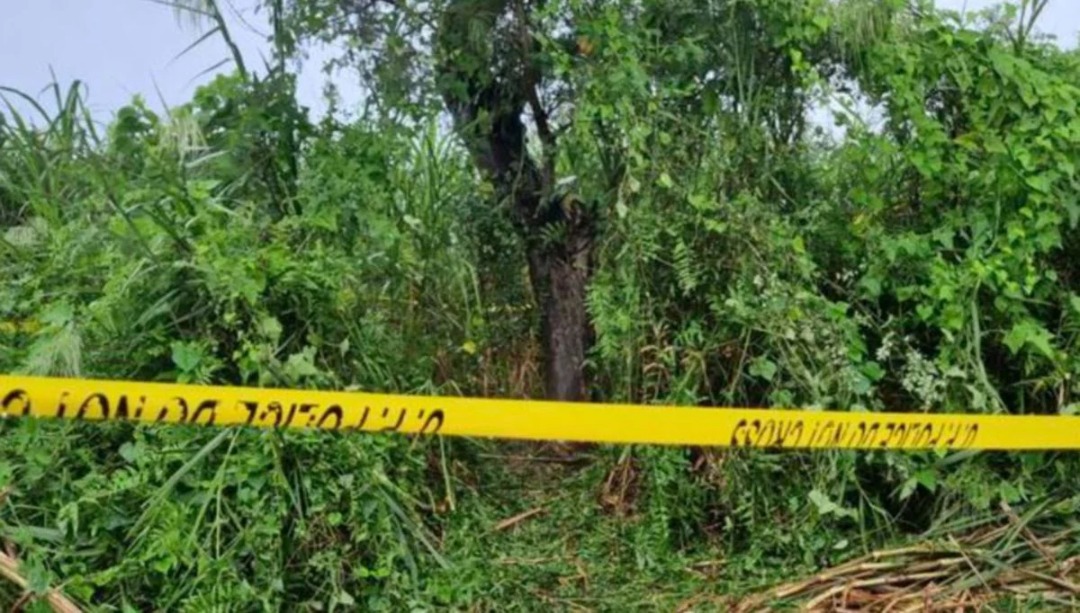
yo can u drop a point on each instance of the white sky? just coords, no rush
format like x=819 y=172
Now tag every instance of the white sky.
x=120 y=48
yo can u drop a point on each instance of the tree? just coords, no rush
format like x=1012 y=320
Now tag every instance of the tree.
x=491 y=68
x=530 y=84
x=489 y=73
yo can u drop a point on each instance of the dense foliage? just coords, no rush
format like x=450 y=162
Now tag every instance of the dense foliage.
x=924 y=256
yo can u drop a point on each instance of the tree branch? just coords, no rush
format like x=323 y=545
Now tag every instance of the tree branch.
x=530 y=86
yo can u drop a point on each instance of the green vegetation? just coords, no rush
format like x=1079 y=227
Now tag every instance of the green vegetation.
x=623 y=201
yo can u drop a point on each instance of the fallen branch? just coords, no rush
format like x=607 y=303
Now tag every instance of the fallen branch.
x=946 y=573
x=9 y=568
x=517 y=519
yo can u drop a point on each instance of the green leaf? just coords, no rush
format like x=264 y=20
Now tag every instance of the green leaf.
x=270 y=328
x=1030 y=333
x=1039 y=183
x=186 y=356
x=871 y=285
x=718 y=227
x=862 y=385
x=798 y=245
x=927 y=478
x=665 y=181
x=58 y=314
x=129 y=452
x=825 y=506
x=944 y=236
x=1009 y=492
x=699 y=202
x=908 y=488
x=1074 y=303
x=822 y=502
x=302 y=364
x=1072 y=208
x=873 y=371
x=764 y=368
x=37 y=577
x=620 y=208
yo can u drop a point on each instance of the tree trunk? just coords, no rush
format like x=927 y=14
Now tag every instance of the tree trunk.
x=559 y=282
x=487 y=76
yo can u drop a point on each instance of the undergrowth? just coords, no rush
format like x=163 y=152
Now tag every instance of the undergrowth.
x=926 y=264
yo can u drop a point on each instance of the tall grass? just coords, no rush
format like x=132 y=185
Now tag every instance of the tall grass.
x=231 y=240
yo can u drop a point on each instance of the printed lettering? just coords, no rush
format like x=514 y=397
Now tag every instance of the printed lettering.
x=910 y=432
x=292 y=413
x=797 y=432
x=868 y=433
x=787 y=431
x=853 y=435
x=858 y=435
x=208 y=406
x=838 y=435
x=11 y=398
x=122 y=412
x=934 y=440
x=739 y=428
x=919 y=431
x=393 y=428
x=363 y=420
x=885 y=441
x=335 y=411
x=899 y=434
x=825 y=432
x=182 y=405
x=945 y=428
x=872 y=434
x=302 y=409
x=890 y=438
x=102 y=405
x=750 y=430
x=779 y=434
x=862 y=434
x=766 y=431
x=972 y=434
x=275 y=408
x=752 y=440
x=252 y=408
x=770 y=428
x=436 y=414
x=62 y=408
x=956 y=432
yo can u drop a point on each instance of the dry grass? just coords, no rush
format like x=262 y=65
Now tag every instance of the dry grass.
x=9 y=569
x=1011 y=559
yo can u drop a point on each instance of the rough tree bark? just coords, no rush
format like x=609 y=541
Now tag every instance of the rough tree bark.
x=487 y=78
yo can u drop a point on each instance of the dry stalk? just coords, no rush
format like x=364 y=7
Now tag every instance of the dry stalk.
x=1014 y=558
x=9 y=568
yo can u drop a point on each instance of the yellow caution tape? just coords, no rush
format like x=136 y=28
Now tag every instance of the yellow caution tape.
x=92 y=400
x=28 y=326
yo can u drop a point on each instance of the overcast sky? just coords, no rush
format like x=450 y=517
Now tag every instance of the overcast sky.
x=120 y=48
